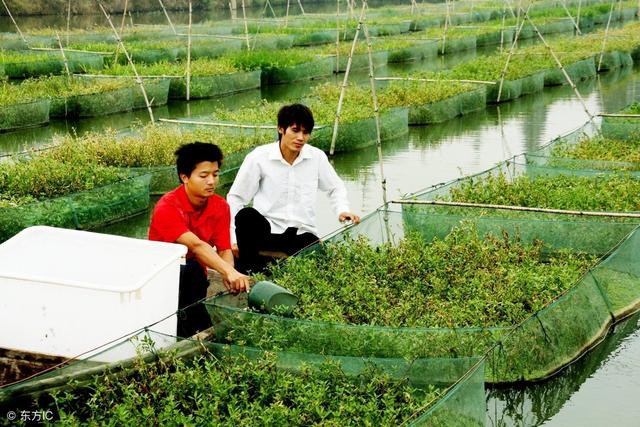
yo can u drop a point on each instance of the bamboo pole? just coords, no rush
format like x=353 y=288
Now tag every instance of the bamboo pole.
x=14 y=22
x=301 y=8
x=68 y=20
x=189 y=53
x=502 y=27
x=447 y=21
x=411 y=79
x=64 y=57
x=273 y=12
x=343 y=89
x=606 y=34
x=337 y=36
x=246 y=26
x=578 y=13
x=631 y=116
x=503 y=74
x=517 y=208
x=50 y=49
x=555 y=58
x=575 y=24
x=133 y=66
x=167 y=15
x=124 y=15
x=286 y=16
x=376 y=112
x=218 y=124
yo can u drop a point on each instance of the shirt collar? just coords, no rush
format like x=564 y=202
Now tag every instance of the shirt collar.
x=276 y=154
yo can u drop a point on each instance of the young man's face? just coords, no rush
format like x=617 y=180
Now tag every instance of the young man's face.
x=203 y=180
x=293 y=138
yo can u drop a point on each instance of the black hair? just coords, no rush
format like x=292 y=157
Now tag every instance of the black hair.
x=297 y=114
x=189 y=155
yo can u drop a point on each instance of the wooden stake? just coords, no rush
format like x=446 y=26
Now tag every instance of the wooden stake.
x=14 y=23
x=64 y=57
x=555 y=58
x=167 y=15
x=343 y=89
x=606 y=34
x=301 y=8
x=246 y=26
x=133 y=66
x=517 y=208
x=189 y=53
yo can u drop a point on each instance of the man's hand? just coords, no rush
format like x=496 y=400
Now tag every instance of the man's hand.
x=235 y=251
x=237 y=282
x=349 y=216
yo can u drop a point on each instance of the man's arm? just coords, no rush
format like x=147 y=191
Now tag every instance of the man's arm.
x=205 y=254
x=244 y=187
x=329 y=181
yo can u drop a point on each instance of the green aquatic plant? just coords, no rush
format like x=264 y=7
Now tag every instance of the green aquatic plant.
x=463 y=280
x=603 y=192
x=236 y=390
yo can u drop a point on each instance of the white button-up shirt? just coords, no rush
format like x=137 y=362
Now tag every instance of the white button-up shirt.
x=286 y=194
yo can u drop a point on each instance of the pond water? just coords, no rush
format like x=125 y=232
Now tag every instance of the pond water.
x=600 y=389
x=606 y=383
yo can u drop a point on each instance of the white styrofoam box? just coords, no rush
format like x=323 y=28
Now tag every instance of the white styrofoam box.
x=67 y=292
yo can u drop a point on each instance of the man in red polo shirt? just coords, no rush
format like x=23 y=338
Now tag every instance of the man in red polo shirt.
x=194 y=216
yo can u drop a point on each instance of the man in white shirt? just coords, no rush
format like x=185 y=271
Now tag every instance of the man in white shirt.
x=282 y=180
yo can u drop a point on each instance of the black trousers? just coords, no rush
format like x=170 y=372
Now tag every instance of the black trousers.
x=193 y=287
x=253 y=233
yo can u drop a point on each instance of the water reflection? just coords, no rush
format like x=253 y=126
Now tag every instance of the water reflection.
x=533 y=405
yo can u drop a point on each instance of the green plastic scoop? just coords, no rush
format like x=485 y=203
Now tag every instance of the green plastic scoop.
x=265 y=296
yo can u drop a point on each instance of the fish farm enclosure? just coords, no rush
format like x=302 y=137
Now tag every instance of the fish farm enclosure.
x=491 y=147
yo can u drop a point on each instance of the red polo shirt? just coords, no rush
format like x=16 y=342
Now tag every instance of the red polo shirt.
x=174 y=215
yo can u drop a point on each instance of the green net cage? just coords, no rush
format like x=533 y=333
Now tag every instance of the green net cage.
x=83 y=210
x=306 y=71
x=550 y=339
x=436 y=391
x=25 y=114
x=362 y=133
x=448 y=108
